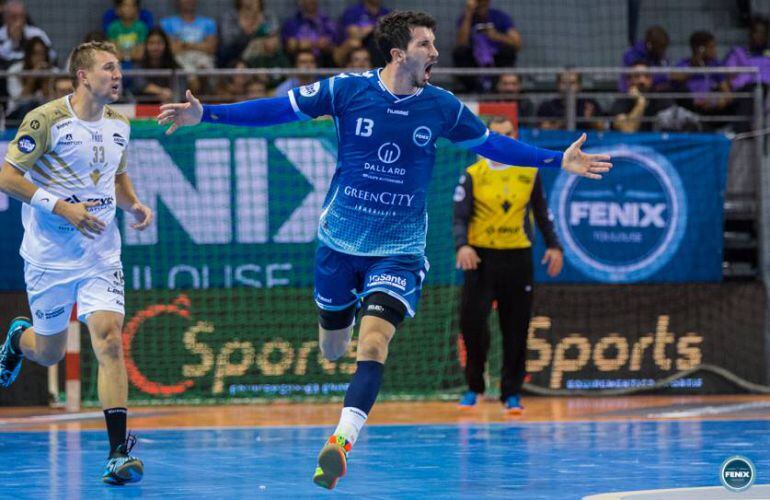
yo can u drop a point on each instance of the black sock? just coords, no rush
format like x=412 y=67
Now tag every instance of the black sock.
x=16 y=342
x=116 y=426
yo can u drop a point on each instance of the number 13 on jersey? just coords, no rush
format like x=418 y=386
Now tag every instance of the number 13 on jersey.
x=364 y=127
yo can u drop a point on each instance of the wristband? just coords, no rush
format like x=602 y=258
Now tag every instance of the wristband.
x=43 y=200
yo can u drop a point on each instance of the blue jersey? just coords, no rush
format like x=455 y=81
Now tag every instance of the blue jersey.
x=377 y=201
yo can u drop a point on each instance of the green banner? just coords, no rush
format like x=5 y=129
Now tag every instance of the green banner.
x=238 y=207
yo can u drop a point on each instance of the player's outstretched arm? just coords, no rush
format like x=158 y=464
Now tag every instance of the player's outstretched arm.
x=181 y=114
x=255 y=113
x=587 y=165
x=509 y=151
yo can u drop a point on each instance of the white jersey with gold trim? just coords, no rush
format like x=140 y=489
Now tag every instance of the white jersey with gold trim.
x=77 y=161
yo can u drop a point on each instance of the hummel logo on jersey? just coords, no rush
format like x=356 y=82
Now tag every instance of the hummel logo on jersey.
x=402 y=112
x=310 y=90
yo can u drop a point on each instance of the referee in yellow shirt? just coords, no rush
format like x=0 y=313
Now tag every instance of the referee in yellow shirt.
x=493 y=237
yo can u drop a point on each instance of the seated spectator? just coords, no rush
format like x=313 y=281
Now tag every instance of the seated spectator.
x=193 y=37
x=358 y=23
x=359 y=60
x=256 y=89
x=16 y=31
x=128 y=32
x=242 y=31
x=29 y=92
x=309 y=29
x=635 y=113
x=305 y=60
x=486 y=37
x=509 y=87
x=652 y=52
x=271 y=55
x=553 y=112
x=60 y=86
x=157 y=55
x=233 y=88
x=112 y=15
x=756 y=54
x=704 y=55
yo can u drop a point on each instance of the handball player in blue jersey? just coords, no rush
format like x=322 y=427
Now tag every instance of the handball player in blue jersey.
x=374 y=221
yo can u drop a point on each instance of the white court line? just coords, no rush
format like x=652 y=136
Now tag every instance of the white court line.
x=756 y=492
x=43 y=419
x=710 y=410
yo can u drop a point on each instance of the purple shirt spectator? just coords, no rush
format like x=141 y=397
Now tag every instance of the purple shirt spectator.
x=484 y=49
x=304 y=28
x=359 y=15
x=701 y=82
x=741 y=56
x=638 y=53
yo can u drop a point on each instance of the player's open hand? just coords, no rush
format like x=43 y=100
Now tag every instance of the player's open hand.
x=142 y=215
x=467 y=258
x=181 y=114
x=78 y=215
x=585 y=165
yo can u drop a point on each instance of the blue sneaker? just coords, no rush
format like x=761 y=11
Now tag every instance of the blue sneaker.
x=513 y=405
x=122 y=468
x=468 y=400
x=10 y=360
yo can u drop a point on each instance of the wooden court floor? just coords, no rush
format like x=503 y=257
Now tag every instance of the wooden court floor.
x=537 y=409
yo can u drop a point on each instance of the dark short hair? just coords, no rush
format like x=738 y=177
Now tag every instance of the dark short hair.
x=657 y=34
x=394 y=30
x=700 y=39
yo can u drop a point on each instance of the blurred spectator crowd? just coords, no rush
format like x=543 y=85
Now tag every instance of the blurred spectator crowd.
x=249 y=36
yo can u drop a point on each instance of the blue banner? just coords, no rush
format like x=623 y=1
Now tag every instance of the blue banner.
x=238 y=207
x=657 y=217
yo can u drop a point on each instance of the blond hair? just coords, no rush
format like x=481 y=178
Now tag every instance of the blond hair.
x=83 y=57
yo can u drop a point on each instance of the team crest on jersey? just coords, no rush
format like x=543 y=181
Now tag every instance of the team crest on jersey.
x=95 y=176
x=26 y=144
x=119 y=140
x=422 y=136
x=310 y=90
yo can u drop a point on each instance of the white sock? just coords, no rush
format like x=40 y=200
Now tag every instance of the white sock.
x=352 y=420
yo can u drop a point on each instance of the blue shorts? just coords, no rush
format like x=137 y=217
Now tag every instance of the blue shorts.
x=342 y=280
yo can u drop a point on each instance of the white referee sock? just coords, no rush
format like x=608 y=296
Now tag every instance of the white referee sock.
x=352 y=421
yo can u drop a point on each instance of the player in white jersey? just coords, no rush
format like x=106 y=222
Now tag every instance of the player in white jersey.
x=67 y=164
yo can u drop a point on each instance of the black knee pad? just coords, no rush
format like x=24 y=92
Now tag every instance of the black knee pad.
x=336 y=320
x=383 y=306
